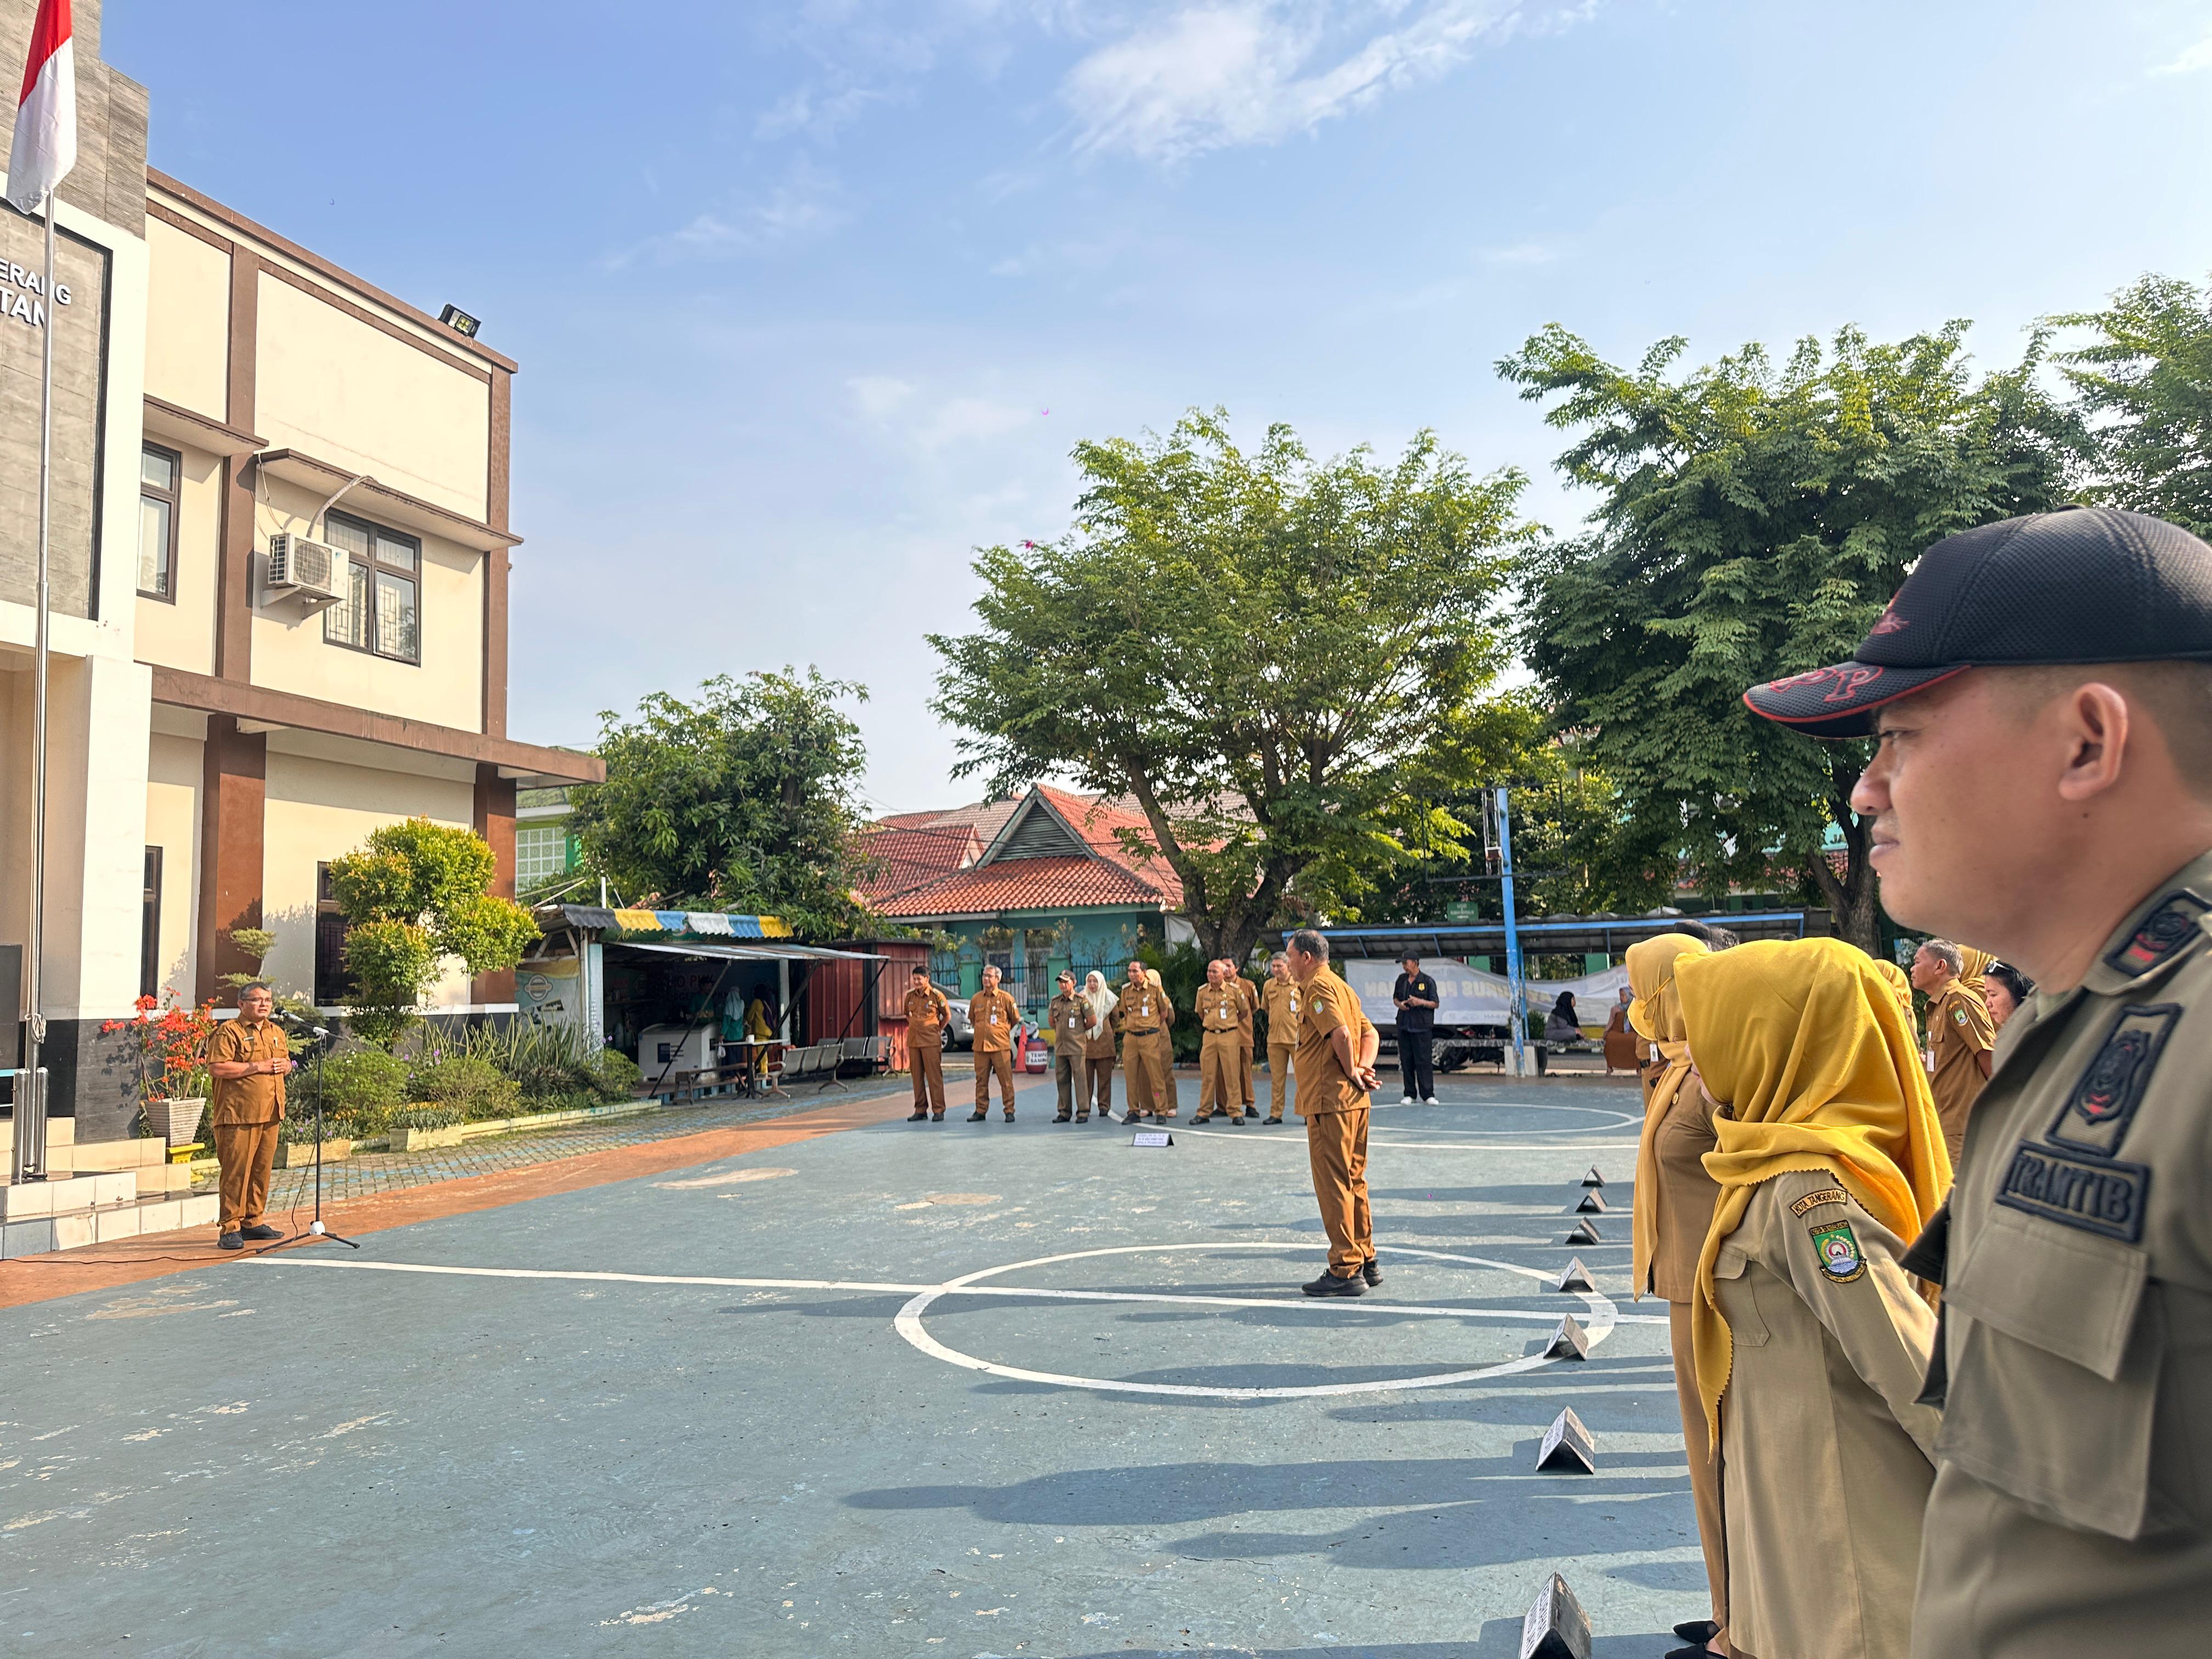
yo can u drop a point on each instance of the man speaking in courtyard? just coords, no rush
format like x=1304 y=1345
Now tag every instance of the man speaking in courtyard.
x=1336 y=1074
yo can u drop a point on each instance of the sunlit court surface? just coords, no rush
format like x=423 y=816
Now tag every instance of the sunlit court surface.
x=975 y=1389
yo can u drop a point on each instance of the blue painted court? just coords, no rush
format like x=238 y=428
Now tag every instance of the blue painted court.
x=968 y=1390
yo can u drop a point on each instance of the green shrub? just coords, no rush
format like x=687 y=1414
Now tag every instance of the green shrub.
x=360 y=1080
x=614 y=1075
x=475 y=1089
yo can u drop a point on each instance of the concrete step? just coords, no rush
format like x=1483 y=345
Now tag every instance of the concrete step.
x=39 y=1235
x=139 y=1152
x=73 y=1193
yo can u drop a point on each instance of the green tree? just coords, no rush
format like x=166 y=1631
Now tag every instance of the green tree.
x=1752 y=523
x=743 y=800
x=2145 y=383
x=1282 y=660
x=414 y=894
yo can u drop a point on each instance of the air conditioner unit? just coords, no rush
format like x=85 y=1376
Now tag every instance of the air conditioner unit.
x=299 y=568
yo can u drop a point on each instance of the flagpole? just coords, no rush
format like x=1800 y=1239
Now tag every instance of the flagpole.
x=30 y=1126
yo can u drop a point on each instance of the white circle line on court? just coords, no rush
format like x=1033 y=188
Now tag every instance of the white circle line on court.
x=1374 y=1145
x=1604 y=1317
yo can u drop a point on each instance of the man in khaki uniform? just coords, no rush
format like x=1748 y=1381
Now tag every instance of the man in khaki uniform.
x=1336 y=1076
x=926 y=1015
x=1280 y=999
x=1221 y=1020
x=248 y=1060
x=1251 y=993
x=1068 y=1020
x=993 y=1016
x=2050 y=675
x=1961 y=1034
x=1144 y=1017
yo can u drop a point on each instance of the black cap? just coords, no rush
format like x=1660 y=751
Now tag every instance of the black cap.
x=2084 y=584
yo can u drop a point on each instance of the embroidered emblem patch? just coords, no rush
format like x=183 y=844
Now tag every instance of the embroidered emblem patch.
x=2096 y=1195
x=2096 y=1115
x=1837 y=1248
x=1826 y=1195
x=2164 y=933
x=1957 y=1016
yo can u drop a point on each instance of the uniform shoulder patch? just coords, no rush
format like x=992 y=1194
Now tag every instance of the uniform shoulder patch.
x=1837 y=1248
x=2102 y=1104
x=2162 y=935
x=1957 y=1016
x=1826 y=1195
x=2094 y=1194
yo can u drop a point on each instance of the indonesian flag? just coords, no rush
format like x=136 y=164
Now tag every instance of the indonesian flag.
x=46 y=118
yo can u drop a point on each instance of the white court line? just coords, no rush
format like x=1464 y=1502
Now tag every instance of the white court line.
x=1395 y=1145
x=949 y=1288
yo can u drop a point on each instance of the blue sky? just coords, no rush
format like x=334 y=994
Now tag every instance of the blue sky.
x=812 y=298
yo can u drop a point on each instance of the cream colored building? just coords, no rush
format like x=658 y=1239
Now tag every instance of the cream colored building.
x=218 y=736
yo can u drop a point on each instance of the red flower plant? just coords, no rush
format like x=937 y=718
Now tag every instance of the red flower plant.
x=172 y=1041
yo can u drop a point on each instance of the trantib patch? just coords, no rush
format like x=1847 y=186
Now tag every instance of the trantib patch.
x=2096 y=1115
x=2096 y=1195
x=2163 y=934
x=1837 y=1248
x=1826 y=1195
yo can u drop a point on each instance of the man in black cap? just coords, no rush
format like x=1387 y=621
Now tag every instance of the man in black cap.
x=2052 y=675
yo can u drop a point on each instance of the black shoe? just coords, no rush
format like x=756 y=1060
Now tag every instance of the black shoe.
x=230 y=1242
x=1235 y=1121
x=1329 y=1284
x=918 y=1114
x=259 y=1230
x=937 y=1117
x=1010 y=1114
x=1061 y=1118
x=1080 y=1117
x=1698 y=1629
x=980 y=1117
x=1251 y=1111
x=1370 y=1271
x=1273 y=1122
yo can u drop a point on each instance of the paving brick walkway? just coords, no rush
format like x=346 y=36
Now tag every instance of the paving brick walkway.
x=372 y=1173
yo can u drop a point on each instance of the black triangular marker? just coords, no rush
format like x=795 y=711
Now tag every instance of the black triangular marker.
x=1570 y=1341
x=1556 y=1627
x=1567 y=1445
x=1576 y=1278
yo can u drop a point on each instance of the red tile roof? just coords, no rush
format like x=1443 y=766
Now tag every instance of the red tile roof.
x=1098 y=820
x=1026 y=885
x=906 y=856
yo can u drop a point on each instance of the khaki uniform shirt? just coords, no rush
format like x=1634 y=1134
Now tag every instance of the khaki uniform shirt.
x=2073 y=1500
x=1144 y=1011
x=1069 y=1020
x=1280 y=999
x=993 y=1015
x=1686 y=1193
x=1327 y=1002
x=247 y=1099
x=1959 y=1028
x=1251 y=993
x=1826 y=1453
x=1221 y=1011
x=926 y=1013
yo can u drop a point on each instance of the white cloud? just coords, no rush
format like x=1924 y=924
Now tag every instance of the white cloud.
x=2197 y=57
x=1521 y=253
x=807 y=205
x=1227 y=72
x=878 y=395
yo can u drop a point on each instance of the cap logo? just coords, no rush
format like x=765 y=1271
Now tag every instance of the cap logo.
x=1850 y=678
x=1891 y=622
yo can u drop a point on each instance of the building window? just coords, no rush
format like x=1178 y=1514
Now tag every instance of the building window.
x=332 y=984
x=149 y=928
x=541 y=853
x=381 y=584
x=160 y=471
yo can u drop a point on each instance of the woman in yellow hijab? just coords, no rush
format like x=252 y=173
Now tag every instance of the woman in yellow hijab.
x=1674 y=1211
x=1811 y=1341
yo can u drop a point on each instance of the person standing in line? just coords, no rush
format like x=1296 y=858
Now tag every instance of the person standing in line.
x=1674 y=1211
x=1099 y=1003
x=928 y=1014
x=1280 y=999
x=993 y=1015
x=1143 y=1016
x=1416 y=996
x=2053 y=674
x=2004 y=989
x=1251 y=993
x=1220 y=1009
x=1809 y=1333
x=1069 y=1019
x=248 y=1060
x=1336 y=1082
x=1961 y=1034
x=1164 y=1049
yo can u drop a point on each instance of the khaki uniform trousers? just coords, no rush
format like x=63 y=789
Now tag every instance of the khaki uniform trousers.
x=928 y=1061
x=1068 y=1079
x=1704 y=1468
x=1244 y=1069
x=999 y=1063
x=1098 y=1085
x=1279 y=1057
x=1170 y=1093
x=244 y=1151
x=1336 y=1148
x=1218 y=1087
x=1140 y=1066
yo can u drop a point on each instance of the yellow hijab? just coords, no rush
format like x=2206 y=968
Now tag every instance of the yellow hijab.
x=1804 y=1042
x=1977 y=964
x=1656 y=1015
x=1900 y=986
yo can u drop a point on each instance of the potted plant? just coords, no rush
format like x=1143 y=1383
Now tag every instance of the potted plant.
x=172 y=1041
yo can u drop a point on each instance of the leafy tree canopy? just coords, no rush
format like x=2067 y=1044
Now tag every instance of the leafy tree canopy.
x=743 y=800
x=1752 y=522
x=2145 y=382
x=1284 y=661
